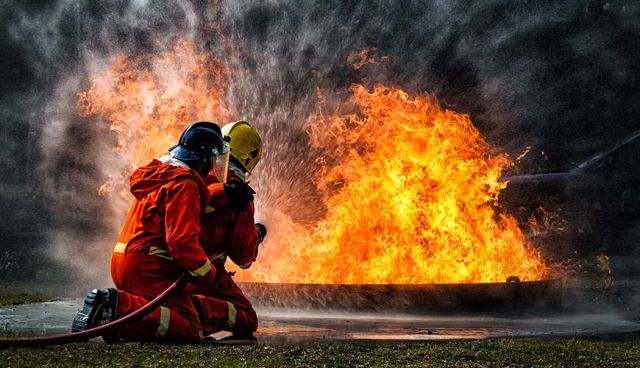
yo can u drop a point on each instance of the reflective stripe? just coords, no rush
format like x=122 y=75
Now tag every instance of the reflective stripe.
x=219 y=257
x=165 y=317
x=232 y=314
x=155 y=251
x=120 y=247
x=209 y=209
x=202 y=270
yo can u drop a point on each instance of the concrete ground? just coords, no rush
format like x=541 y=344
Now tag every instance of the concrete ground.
x=589 y=310
x=299 y=326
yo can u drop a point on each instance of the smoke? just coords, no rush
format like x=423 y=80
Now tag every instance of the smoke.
x=561 y=77
x=558 y=76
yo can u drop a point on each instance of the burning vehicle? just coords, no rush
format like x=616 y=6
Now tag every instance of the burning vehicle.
x=592 y=209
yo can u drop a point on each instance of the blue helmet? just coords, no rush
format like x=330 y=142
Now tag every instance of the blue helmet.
x=199 y=140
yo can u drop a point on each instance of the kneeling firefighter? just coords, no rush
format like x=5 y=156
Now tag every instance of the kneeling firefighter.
x=160 y=241
x=229 y=231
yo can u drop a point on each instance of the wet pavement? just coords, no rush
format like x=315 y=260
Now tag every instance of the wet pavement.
x=299 y=326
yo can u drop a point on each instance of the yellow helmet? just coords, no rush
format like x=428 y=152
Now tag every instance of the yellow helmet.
x=246 y=144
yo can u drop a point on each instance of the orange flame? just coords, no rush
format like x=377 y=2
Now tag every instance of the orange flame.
x=523 y=154
x=149 y=101
x=411 y=194
x=410 y=188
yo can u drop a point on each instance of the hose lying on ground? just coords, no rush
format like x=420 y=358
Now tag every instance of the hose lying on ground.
x=99 y=330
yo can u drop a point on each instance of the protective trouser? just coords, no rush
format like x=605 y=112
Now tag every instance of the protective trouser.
x=139 y=278
x=223 y=307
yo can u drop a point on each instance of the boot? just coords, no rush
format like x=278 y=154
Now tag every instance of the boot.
x=99 y=308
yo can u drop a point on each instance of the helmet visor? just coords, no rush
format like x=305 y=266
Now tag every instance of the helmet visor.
x=221 y=162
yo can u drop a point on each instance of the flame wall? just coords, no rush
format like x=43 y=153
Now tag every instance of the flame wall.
x=406 y=184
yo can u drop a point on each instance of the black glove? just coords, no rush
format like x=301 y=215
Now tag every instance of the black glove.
x=262 y=232
x=239 y=194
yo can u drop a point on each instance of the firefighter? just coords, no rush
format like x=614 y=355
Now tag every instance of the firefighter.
x=160 y=241
x=230 y=231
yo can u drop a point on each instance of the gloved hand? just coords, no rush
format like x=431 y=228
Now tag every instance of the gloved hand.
x=239 y=194
x=262 y=232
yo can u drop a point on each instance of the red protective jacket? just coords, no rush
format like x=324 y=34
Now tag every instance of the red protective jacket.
x=226 y=230
x=164 y=220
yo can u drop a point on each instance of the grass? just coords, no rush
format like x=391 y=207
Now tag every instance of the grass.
x=511 y=353
x=22 y=299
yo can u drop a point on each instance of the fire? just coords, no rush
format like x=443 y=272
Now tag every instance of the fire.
x=148 y=101
x=410 y=188
x=411 y=192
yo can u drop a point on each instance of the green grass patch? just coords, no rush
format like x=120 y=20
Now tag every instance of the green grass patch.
x=491 y=353
x=11 y=334
x=23 y=299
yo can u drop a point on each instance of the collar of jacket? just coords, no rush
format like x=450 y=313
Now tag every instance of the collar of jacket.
x=237 y=171
x=173 y=161
x=204 y=193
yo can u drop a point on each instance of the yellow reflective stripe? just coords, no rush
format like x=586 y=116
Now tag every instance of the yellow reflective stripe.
x=165 y=317
x=209 y=209
x=232 y=314
x=202 y=270
x=120 y=247
x=155 y=251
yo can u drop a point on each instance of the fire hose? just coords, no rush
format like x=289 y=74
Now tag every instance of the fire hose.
x=99 y=330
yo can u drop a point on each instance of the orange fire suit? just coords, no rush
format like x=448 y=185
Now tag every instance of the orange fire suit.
x=158 y=243
x=226 y=232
